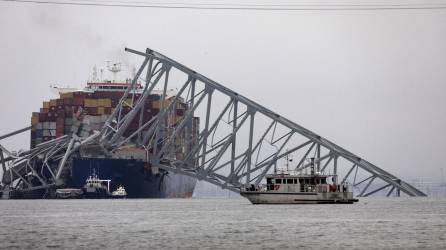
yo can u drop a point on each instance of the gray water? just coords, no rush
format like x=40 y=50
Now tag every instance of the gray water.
x=400 y=223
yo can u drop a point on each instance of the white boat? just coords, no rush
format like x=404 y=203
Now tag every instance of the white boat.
x=119 y=193
x=300 y=188
x=96 y=188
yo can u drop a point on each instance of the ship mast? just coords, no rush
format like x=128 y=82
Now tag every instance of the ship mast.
x=115 y=68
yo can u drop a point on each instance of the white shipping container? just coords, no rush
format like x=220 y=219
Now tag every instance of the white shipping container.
x=46 y=132
x=46 y=125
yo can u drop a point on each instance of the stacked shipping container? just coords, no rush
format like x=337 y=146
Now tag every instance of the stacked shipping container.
x=82 y=112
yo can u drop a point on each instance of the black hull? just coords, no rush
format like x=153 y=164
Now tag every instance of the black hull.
x=97 y=193
x=139 y=180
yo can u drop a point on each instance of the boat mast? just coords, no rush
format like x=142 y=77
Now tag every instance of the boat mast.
x=312 y=165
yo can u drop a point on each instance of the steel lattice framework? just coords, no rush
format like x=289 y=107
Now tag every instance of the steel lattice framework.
x=238 y=141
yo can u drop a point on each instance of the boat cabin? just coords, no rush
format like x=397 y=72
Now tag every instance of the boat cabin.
x=301 y=183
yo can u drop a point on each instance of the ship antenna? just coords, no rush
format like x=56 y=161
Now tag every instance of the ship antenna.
x=275 y=162
x=288 y=160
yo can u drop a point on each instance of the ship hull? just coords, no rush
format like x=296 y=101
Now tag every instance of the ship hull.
x=139 y=180
x=256 y=197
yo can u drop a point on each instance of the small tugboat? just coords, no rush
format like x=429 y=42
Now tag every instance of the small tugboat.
x=95 y=188
x=300 y=188
x=119 y=193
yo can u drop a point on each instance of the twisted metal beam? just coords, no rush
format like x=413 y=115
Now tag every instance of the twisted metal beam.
x=241 y=141
x=229 y=163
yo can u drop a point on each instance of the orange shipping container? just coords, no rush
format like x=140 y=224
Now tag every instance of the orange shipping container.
x=90 y=103
x=66 y=95
x=156 y=104
x=46 y=105
x=107 y=103
x=53 y=103
x=100 y=102
x=34 y=120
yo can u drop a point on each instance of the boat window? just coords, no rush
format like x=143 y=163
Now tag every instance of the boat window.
x=324 y=181
x=295 y=181
x=268 y=180
x=289 y=181
x=278 y=181
x=307 y=181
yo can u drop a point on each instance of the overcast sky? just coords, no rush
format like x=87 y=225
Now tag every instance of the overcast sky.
x=374 y=82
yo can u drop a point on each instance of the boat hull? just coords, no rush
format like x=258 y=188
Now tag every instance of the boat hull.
x=118 y=196
x=256 y=197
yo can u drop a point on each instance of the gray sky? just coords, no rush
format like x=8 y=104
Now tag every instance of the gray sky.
x=374 y=82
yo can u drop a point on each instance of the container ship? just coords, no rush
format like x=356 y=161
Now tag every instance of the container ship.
x=82 y=111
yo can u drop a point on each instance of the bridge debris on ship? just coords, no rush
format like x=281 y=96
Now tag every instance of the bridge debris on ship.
x=237 y=144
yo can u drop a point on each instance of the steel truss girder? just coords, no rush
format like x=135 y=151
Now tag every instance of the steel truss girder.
x=52 y=156
x=240 y=167
x=230 y=163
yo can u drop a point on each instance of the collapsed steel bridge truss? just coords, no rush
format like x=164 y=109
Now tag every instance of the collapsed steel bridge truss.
x=236 y=144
